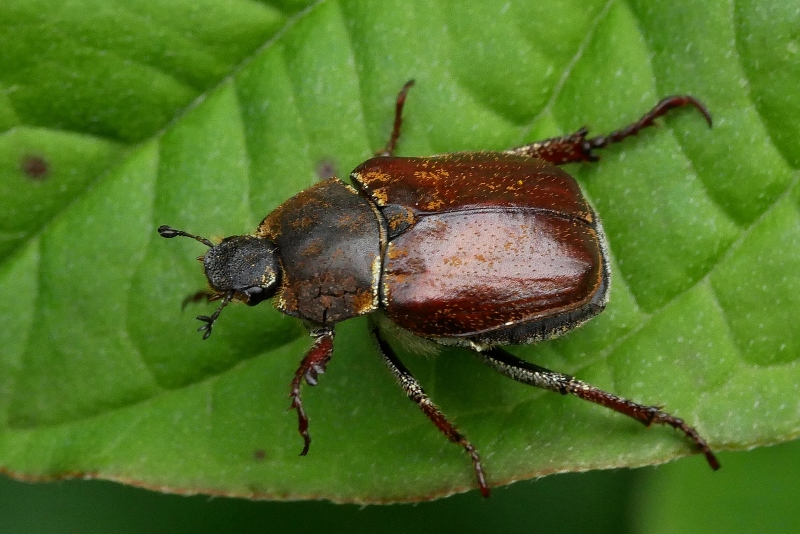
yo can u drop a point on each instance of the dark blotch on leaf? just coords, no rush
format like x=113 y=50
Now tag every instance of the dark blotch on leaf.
x=35 y=167
x=326 y=169
x=259 y=454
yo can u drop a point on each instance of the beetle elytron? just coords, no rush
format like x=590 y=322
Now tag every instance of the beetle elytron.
x=474 y=249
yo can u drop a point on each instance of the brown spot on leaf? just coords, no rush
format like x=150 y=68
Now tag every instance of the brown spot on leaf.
x=35 y=167
x=326 y=169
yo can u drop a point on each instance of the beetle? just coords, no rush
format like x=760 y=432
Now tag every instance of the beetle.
x=469 y=249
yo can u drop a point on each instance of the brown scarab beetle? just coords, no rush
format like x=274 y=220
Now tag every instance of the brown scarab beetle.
x=474 y=249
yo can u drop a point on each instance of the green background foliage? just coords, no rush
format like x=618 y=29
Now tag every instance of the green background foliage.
x=121 y=116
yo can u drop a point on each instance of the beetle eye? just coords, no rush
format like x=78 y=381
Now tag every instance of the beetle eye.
x=256 y=294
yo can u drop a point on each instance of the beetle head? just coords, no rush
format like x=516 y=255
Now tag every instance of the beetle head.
x=243 y=268
x=244 y=265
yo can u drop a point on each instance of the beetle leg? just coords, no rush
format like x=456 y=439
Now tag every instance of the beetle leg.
x=313 y=365
x=415 y=392
x=194 y=298
x=388 y=150
x=576 y=147
x=531 y=374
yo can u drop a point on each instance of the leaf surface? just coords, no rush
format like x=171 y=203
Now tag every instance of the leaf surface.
x=118 y=117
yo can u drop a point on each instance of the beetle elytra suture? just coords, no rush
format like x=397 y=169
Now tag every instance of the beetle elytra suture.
x=472 y=249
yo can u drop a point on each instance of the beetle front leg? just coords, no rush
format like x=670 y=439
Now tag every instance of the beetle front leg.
x=531 y=374
x=576 y=147
x=313 y=365
x=415 y=392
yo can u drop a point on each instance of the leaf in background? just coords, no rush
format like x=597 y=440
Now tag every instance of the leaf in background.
x=755 y=489
x=121 y=116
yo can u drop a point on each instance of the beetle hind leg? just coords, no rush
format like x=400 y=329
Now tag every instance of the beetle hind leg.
x=577 y=147
x=415 y=393
x=531 y=374
x=313 y=365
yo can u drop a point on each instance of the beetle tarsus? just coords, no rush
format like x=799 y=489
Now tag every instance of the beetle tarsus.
x=648 y=119
x=390 y=147
x=414 y=391
x=302 y=418
x=664 y=418
x=534 y=375
x=312 y=365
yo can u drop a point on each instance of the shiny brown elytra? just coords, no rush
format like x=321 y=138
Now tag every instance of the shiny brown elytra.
x=474 y=249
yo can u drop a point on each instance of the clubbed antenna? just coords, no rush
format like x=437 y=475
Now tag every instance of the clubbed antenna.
x=170 y=232
x=206 y=328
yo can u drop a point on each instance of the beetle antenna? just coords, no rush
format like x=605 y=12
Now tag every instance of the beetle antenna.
x=170 y=232
x=206 y=328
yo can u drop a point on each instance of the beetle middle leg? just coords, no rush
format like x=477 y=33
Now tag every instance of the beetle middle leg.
x=390 y=147
x=576 y=147
x=415 y=392
x=313 y=365
x=531 y=374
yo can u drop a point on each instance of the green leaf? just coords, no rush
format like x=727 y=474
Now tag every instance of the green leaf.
x=122 y=116
x=755 y=489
